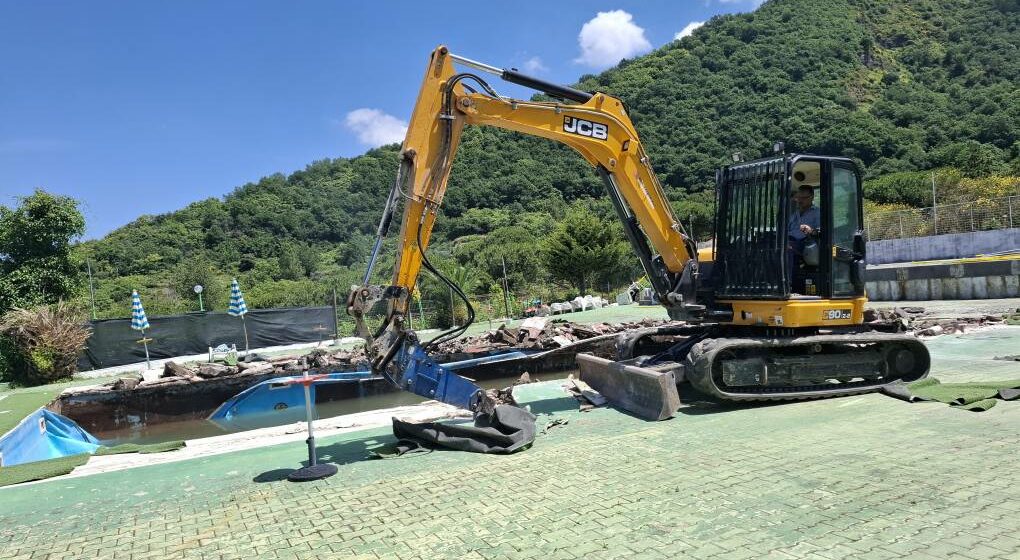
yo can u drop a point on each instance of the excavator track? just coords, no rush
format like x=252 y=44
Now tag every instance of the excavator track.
x=807 y=367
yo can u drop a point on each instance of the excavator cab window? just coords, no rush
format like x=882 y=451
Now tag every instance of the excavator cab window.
x=846 y=225
x=761 y=252
x=830 y=262
x=807 y=198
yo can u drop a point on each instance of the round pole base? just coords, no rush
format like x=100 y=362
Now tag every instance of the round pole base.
x=313 y=472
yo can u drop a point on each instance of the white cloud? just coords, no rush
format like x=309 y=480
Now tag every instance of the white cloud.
x=375 y=128
x=688 y=29
x=534 y=65
x=609 y=37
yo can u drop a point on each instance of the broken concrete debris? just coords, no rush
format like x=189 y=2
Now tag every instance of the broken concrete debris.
x=540 y=333
x=127 y=383
x=257 y=368
x=925 y=323
x=209 y=371
x=587 y=397
x=525 y=379
x=173 y=369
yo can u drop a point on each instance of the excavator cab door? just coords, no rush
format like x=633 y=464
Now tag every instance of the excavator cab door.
x=829 y=263
x=846 y=238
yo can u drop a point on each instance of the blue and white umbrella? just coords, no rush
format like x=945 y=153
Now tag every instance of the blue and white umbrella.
x=238 y=308
x=140 y=322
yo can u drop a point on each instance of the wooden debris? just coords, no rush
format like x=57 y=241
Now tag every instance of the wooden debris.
x=583 y=392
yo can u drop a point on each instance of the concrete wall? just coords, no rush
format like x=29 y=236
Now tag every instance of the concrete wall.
x=977 y=280
x=949 y=246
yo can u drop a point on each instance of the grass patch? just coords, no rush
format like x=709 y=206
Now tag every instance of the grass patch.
x=18 y=402
x=141 y=448
x=40 y=470
x=16 y=406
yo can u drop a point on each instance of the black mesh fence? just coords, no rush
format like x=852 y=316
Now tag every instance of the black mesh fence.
x=114 y=343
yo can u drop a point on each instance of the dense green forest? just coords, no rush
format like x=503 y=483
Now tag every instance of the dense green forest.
x=903 y=86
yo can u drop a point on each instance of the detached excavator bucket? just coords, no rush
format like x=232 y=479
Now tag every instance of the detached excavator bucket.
x=644 y=392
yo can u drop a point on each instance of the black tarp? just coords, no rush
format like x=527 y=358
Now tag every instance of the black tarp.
x=506 y=430
x=114 y=343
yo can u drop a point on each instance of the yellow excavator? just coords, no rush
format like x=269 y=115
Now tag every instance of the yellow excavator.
x=768 y=314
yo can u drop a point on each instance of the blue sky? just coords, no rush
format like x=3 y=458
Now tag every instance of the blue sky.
x=143 y=107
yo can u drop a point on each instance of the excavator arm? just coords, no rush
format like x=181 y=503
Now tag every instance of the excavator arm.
x=595 y=125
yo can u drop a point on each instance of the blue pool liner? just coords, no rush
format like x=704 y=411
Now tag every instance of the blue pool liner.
x=44 y=435
x=281 y=400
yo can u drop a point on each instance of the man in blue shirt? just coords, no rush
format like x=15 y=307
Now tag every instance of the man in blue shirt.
x=805 y=221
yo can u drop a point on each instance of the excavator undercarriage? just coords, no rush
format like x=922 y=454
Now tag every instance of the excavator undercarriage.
x=732 y=365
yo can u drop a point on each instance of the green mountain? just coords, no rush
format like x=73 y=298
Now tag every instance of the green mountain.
x=901 y=85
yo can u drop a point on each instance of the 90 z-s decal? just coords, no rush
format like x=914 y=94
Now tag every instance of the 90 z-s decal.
x=582 y=127
x=832 y=314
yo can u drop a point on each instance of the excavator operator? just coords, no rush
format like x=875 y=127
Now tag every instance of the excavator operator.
x=802 y=230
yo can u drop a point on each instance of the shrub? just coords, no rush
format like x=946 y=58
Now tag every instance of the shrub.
x=45 y=342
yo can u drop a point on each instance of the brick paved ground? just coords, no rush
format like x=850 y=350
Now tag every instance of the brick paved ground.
x=860 y=477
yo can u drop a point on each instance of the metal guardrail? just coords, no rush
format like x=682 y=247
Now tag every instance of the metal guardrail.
x=978 y=215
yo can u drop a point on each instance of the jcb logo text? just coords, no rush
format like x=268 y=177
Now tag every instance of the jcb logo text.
x=582 y=127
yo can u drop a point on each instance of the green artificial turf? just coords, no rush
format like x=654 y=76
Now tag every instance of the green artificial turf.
x=975 y=396
x=16 y=406
x=141 y=448
x=39 y=470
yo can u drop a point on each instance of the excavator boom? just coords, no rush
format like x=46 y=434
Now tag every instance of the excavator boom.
x=598 y=128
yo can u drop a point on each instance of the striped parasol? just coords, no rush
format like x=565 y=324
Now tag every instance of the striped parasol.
x=139 y=321
x=238 y=308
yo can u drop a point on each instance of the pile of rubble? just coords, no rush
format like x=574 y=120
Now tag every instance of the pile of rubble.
x=540 y=333
x=924 y=323
x=253 y=365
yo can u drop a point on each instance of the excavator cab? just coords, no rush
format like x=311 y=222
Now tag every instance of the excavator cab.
x=761 y=252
